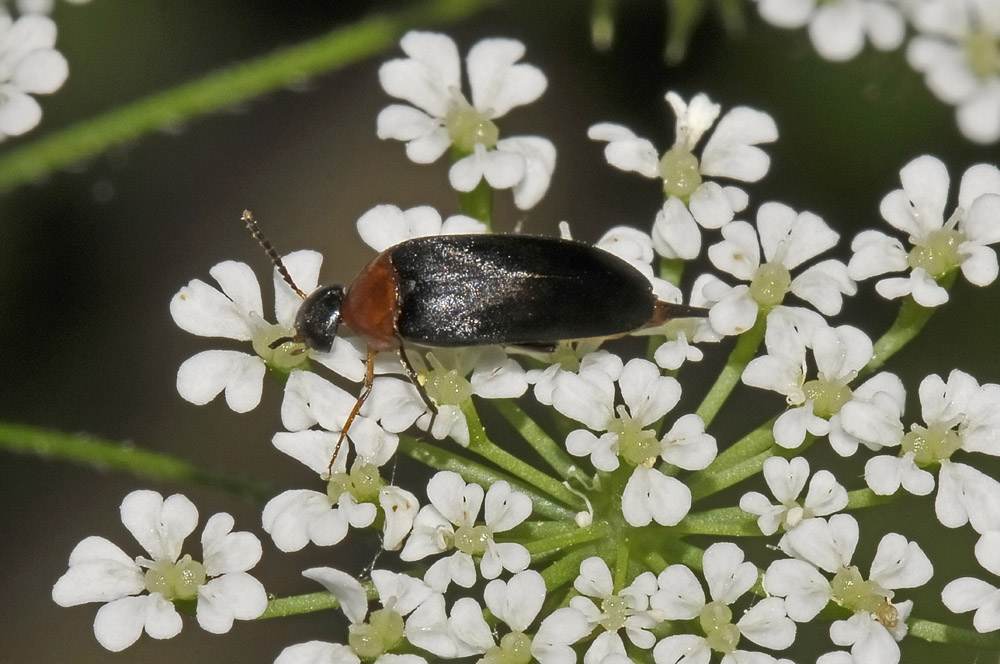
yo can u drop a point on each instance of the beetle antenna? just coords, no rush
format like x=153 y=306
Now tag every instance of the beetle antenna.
x=268 y=248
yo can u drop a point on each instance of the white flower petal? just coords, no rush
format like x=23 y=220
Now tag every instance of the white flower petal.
x=202 y=377
x=343 y=586
x=675 y=232
x=428 y=78
x=120 y=623
x=539 y=163
x=159 y=525
x=228 y=597
x=498 y=84
x=99 y=571
x=225 y=551
x=650 y=495
x=730 y=151
x=518 y=601
x=680 y=595
x=505 y=508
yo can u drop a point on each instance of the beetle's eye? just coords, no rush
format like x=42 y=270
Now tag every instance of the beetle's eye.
x=319 y=317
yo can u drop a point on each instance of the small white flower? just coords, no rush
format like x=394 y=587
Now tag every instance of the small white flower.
x=552 y=643
x=571 y=358
x=877 y=622
x=955 y=49
x=237 y=312
x=788 y=239
x=730 y=152
x=589 y=397
x=839 y=354
x=515 y=603
x=959 y=415
x=887 y=390
x=938 y=245
x=296 y=517
x=838 y=29
x=432 y=629
x=430 y=79
x=373 y=637
x=99 y=571
x=626 y=609
x=28 y=65
x=680 y=597
x=970 y=594
x=786 y=479
x=451 y=376
x=449 y=522
x=386 y=225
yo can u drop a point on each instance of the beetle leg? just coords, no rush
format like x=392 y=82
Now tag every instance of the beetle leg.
x=411 y=373
x=369 y=380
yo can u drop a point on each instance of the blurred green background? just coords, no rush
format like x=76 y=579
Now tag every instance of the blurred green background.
x=89 y=258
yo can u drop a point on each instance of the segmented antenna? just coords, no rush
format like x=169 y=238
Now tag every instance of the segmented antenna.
x=270 y=251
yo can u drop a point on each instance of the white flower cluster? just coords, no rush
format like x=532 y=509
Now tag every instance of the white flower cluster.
x=29 y=65
x=614 y=530
x=956 y=46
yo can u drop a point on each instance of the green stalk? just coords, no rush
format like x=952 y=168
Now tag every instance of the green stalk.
x=937 y=633
x=547 y=448
x=436 y=457
x=710 y=481
x=103 y=455
x=310 y=603
x=728 y=378
x=480 y=443
x=221 y=89
x=563 y=571
x=299 y=604
x=556 y=543
x=478 y=203
x=721 y=522
x=910 y=320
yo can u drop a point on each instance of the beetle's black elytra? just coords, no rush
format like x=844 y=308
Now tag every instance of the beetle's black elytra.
x=476 y=290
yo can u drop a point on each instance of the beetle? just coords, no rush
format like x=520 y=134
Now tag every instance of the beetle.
x=476 y=290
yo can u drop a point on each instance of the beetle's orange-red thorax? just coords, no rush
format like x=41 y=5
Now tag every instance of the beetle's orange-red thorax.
x=371 y=306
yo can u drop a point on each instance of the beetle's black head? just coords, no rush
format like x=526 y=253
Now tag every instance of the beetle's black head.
x=319 y=317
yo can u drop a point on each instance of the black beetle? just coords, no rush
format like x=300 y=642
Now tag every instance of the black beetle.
x=477 y=290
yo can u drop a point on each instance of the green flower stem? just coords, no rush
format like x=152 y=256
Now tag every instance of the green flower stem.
x=909 y=322
x=435 y=457
x=865 y=498
x=753 y=444
x=723 y=522
x=310 y=603
x=938 y=633
x=299 y=604
x=537 y=530
x=710 y=481
x=543 y=547
x=480 y=443
x=621 y=566
x=478 y=203
x=684 y=17
x=602 y=23
x=566 y=569
x=671 y=552
x=547 y=448
x=743 y=352
x=672 y=270
x=103 y=455
x=224 y=88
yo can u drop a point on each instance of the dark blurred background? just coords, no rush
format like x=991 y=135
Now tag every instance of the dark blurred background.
x=90 y=258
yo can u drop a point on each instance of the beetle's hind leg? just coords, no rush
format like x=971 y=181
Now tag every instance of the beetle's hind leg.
x=369 y=381
x=411 y=373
